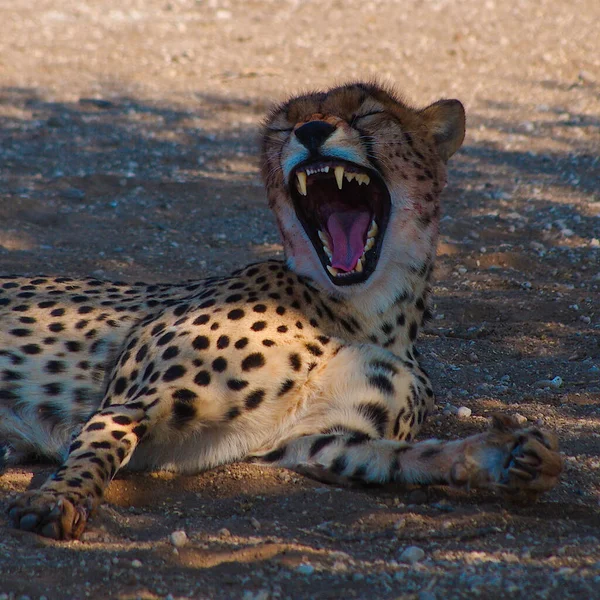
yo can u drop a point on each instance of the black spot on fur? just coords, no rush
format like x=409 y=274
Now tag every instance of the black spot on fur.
x=96 y=427
x=201 y=342
x=166 y=338
x=320 y=443
x=236 y=384
x=223 y=342
x=376 y=413
x=412 y=332
x=170 y=352
x=382 y=383
x=232 y=413
x=120 y=385
x=55 y=366
x=183 y=413
x=314 y=349
x=253 y=399
x=201 y=320
x=295 y=362
x=285 y=387
x=357 y=438
x=174 y=372
x=236 y=314
x=241 y=343
x=339 y=465
x=202 y=378
x=253 y=361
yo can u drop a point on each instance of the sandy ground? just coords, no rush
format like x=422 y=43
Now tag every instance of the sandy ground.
x=128 y=143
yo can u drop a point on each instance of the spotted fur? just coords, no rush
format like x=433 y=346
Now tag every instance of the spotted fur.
x=278 y=363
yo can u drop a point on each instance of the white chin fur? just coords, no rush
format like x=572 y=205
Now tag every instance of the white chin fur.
x=391 y=278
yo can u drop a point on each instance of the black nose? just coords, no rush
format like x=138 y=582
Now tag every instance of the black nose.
x=313 y=134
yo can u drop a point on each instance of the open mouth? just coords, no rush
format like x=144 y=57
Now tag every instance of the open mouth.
x=344 y=208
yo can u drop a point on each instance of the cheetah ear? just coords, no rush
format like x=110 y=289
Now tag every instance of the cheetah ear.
x=445 y=120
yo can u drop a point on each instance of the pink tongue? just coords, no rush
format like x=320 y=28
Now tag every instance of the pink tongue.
x=348 y=231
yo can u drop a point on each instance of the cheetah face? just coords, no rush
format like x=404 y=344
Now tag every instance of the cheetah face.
x=354 y=175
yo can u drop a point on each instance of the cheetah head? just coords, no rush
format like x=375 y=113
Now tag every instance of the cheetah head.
x=354 y=177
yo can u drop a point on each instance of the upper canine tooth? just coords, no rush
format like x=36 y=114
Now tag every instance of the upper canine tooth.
x=339 y=176
x=374 y=230
x=301 y=176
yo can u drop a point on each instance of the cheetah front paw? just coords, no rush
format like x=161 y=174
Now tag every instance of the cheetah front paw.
x=49 y=514
x=519 y=462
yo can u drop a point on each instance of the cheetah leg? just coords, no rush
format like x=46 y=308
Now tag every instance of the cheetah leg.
x=61 y=507
x=507 y=458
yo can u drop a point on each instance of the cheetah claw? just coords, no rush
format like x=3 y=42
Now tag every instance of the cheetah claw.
x=516 y=461
x=48 y=514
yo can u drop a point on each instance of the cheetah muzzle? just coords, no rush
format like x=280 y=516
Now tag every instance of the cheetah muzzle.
x=308 y=364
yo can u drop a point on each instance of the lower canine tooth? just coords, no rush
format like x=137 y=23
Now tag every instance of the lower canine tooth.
x=324 y=238
x=359 y=266
x=339 y=176
x=301 y=177
x=332 y=270
x=374 y=230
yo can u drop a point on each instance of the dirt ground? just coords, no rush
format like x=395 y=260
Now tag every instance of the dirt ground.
x=128 y=149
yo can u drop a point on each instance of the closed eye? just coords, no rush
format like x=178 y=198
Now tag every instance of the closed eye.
x=356 y=118
x=278 y=130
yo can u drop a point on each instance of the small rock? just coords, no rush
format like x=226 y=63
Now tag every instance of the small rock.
x=400 y=524
x=585 y=319
x=549 y=383
x=520 y=419
x=224 y=532
x=255 y=523
x=136 y=564
x=463 y=412
x=412 y=555
x=178 y=538
x=305 y=569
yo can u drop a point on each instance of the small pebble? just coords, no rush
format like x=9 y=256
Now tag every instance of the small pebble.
x=255 y=523
x=136 y=564
x=224 y=532
x=305 y=569
x=412 y=555
x=178 y=538
x=520 y=419
x=549 y=383
x=463 y=412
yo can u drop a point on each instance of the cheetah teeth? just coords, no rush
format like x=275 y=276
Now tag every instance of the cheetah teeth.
x=339 y=172
x=326 y=242
x=301 y=177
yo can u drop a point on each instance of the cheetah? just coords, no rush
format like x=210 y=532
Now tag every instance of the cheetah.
x=308 y=364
